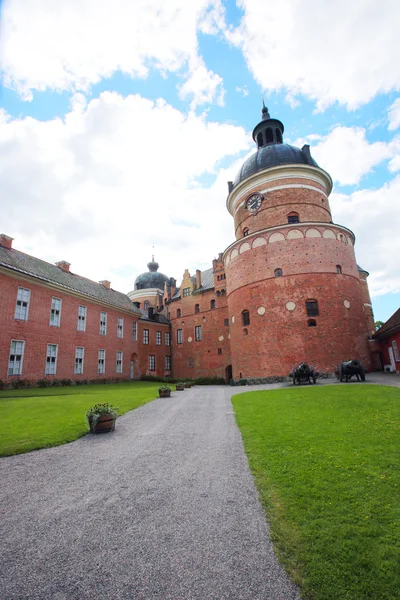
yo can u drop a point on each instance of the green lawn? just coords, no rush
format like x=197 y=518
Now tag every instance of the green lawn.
x=42 y=417
x=326 y=461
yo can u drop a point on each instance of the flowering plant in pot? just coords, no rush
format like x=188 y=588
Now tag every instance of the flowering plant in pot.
x=188 y=384
x=179 y=386
x=101 y=417
x=164 y=391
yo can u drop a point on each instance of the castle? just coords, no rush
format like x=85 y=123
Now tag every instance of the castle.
x=288 y=289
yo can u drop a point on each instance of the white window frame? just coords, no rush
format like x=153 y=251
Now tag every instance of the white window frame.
x=134 y=331
x=167 y=338
x=82 y=314
x=103 y=323
x=51 y=359
x=152 y=362
x=119 y=361
x=15 y=351
x=198 y=333
x=179 y=336
x=22 y=304
x=79 y=356
x=101 y=362
x=395 y=351
x=146 y=336
x=120 y=327
x=186 y=291
x=55 y=312
x=167 y=362
x=158 y=338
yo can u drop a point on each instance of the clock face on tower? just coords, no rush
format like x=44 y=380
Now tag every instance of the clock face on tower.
x=253 y=202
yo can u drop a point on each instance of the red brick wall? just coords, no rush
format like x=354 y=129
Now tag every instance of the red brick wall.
x=385 y=345
x=152 y=349
x=37 y=333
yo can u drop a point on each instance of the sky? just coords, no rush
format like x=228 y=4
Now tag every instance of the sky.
x=121 y=123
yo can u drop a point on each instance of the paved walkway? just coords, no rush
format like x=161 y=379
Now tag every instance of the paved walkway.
x=165 y=508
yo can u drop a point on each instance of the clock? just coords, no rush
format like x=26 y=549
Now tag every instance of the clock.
x=253 y=202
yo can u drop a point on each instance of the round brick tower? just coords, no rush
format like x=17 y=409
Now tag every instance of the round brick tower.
x=294 y=291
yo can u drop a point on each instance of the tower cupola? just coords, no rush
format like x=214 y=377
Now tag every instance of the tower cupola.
x=268 y=131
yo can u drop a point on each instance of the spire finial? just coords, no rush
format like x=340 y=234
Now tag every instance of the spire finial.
x=264 y=112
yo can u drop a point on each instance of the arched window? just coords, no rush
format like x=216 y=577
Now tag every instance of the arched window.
x=312 y=323
x=197 y=308
x=146 y=304
x=178 y=313
x=338 y=269
x=293 y=217
x=246 y=331
x=259 y=140
x=312 y=308
x=278 y=272
x=212 y=304
x=342 y=238
x=279 y=136
x=245 y=231
x=245 y=317
x=269 y=135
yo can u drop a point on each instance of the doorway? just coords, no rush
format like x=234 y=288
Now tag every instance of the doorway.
x=228 y=374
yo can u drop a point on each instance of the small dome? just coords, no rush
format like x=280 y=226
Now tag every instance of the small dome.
x=151 y=279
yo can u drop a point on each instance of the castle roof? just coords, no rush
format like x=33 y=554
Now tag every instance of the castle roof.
x=391 y=326
x=151 y=278
x=207 y=283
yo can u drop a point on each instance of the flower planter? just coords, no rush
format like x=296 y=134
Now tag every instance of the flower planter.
x=188 y=385
x=104 y=424
x=179 y=388
x=165 y=394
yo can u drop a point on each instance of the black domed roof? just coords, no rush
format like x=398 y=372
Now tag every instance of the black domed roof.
x=272 y=152
x=151 y=279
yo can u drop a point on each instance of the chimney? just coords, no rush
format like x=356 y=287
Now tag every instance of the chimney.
x=6 y=241
x=150 y=312
x=137 y=304
x=198 y=279
x=64 y=265
x=173 y=286
x=106 y=283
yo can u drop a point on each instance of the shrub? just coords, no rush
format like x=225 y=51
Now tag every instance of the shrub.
x=152 y=378
x=1 y=384
x=164 y=388
x=42 y=383
x=56 y=382
x=65 y=381
x=21 y=383
x=209 y=381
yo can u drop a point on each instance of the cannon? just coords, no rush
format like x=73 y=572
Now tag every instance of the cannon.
x=348 y=368
x=304 y=372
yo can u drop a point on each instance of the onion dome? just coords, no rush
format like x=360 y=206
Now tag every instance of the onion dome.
x=271 y=150
x=151 y=279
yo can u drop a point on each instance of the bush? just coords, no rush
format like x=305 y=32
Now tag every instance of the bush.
x=153 y=378
x=42 y=383
x=1 y=384
x=209 y=381
x=65 y=381
x=21 y=383
x=56 y=382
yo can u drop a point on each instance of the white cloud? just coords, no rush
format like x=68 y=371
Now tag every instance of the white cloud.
x=346 y=153
x=115 y=176
x=243 y=90
x=202 y=85
x=394 y=115
x=340 y=51
x=72 y=45
x=373 y=216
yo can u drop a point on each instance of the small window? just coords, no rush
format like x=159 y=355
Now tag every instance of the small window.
x=245 y=231
x=279 y=136
x=245 y=317
x=167 y=363
x=186 y=291
x=178 y=313
x=55 y=312
x=212 y=304
x=312 y=308
x=246 y=331
x=278 y=272
x=79 y=359
x=120 y=327
x=51 y=359
x=152 y=362
x=146 y=304
x=82 y=318
x=119 y=361
x=179 y=336
x=395 y=351
x=197 y=333
x=338 y=269
x=293 y=217
x=269 y=137
x=16 y=357
x=167 y=339
x=134 y=331
x=219 y=350
x=145 y=336
x=103 y=323
x=22 y=306
x=197 y=308
x=312 y=323
x=259 y=139
x=158 y=338
x=190 y=363
x=101 y=362
x=226 y=322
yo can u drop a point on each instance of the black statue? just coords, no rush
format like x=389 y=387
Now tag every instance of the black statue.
x=304 y=373
x=348 y=368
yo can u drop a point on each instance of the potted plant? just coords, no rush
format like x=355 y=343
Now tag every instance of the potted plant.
x=164 y=391
x=101 y=417
x=180 y=386
x=188 y=384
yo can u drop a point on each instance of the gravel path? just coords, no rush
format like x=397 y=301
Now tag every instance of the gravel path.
x=163 y=508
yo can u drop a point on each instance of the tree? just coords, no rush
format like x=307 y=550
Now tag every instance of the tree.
x=378 y=324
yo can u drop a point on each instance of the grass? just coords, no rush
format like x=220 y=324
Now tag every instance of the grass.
x=42 y=417
x=326 y=462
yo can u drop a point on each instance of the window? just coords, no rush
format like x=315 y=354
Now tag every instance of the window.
x=55 y=312
x=167 y=339
x=186 y=291
x=197 y=333
x=396 y=351
x=312 y=308
x=259 y=139
x=134 y=331
x=219 y=350
x=103 y=323
x=312 y=323
x=146 y=304
x=245 y=317
x=51 y=359
x=226 y=322
x=82 y=318
x=338 y=269
x=145 y=336
x=245 y=231
x=167 y=363
x=158 y=338
x=269 y=137
x=179 y=336
x=152 y=362
x=190 y=363
x=178 y=313
x=101 y=362
x=16 y=357
x=293 y=217
x=22 y=307
x=120 y=327
x=119 y=362
x=246 y=331
x=278 y=272
x=197 y=308
x=212 y=304
x=79 y=358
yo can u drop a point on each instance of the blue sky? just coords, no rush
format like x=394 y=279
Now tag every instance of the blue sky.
x=120 y=128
